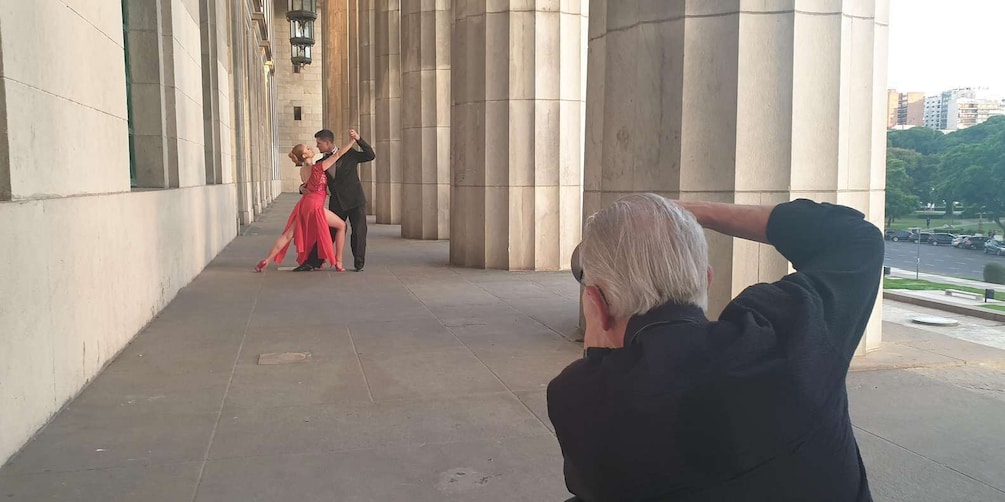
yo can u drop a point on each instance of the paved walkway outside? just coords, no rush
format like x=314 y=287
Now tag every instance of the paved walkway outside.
x=425 y=383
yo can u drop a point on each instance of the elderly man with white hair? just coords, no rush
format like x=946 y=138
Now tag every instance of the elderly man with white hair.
x=669 y=405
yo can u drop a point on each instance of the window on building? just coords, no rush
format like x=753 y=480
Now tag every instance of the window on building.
x=151 y=165
x=297 y=114
x=129 y=95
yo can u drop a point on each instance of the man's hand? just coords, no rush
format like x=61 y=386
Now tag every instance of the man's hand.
x=353 y=134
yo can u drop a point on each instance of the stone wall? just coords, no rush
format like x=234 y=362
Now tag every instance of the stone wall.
x=65 y=120
x=87 y=274
x=90 y=260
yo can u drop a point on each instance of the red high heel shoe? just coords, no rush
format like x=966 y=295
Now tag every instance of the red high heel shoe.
x=261 y=265
x=339 y=267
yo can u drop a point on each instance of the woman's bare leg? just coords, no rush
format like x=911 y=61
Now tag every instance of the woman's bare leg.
x=335 y=222
x=281 y=242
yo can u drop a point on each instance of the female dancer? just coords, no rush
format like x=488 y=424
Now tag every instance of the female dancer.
x=309 y=221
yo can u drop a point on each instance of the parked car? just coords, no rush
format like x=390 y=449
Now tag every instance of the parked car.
x=897 y=235
x=973 y=242
x=958 y=241
x=993 y=246
x=941 y=238
x=924 y=236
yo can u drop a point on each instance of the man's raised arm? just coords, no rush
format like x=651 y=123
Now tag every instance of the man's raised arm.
x=745 y=222
x=837 y=254
x=367 y=154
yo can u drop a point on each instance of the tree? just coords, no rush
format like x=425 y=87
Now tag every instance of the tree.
x=975 y=135
x=920 y=170
x=899 y=200
x=966 y=165
x=920 y=139
x=976 y=173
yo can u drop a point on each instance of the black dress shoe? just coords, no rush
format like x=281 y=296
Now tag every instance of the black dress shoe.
x=304 y=268
x=359 y=268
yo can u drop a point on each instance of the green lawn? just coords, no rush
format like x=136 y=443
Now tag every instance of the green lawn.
x=955 y=225
x=918 y=285
x=995 y=307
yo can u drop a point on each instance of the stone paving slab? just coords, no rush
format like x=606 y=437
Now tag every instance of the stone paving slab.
x=514 y=469
x=146 y=483
x=917 y=346
x=427 y=383
x=983 y=332
x=897 y=474
x=950 y=426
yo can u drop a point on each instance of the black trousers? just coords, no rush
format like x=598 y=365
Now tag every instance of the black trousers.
x=356 y=217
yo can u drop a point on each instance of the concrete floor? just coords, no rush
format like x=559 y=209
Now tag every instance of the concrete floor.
x=426 y=383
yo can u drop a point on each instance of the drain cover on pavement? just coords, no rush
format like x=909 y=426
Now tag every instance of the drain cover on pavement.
x=283 y=358
x=932 y=320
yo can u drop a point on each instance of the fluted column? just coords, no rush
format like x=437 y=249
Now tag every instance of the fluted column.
x=387 y=79
x=366 y=98
x=352 y=33
x=335 y=68
x=758 y=106
x=425 y=119
x=516 y=134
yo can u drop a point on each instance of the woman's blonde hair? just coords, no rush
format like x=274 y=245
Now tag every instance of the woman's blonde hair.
x=297 y=154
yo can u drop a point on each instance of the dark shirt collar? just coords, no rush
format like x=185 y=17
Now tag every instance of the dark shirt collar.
x=668 y=313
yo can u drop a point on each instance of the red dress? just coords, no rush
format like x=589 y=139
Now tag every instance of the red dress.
x=310 y=226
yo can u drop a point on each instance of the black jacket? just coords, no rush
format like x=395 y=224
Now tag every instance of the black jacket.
x=750 y=407
x=343 y=178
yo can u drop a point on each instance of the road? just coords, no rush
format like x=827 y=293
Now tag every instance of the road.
x=941 y=259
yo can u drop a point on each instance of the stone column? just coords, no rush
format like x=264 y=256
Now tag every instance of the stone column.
x=425 y=119
x=366 y=98
x=241 y=110
x=516 y=135
x=335 y=64
x=352 y=33
x=758 y=106
x=387 y=141
x=255 y=122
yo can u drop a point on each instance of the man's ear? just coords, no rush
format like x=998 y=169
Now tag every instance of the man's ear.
x=710 y=275
x=603 y=309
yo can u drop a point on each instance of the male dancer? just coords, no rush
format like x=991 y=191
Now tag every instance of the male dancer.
x=347 y=198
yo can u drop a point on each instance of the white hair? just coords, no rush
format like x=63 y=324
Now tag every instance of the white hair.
x=644 y=251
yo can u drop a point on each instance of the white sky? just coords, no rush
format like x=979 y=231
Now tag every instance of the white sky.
x=936 y=45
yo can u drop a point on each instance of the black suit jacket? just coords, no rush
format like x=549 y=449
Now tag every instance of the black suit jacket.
x=343 y=178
